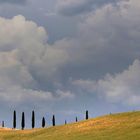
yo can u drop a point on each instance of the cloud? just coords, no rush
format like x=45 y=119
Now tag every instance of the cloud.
x=64 y=94
x=72 y=7
x=18 y=95
x=27 y=61
x=13 y=1
x=16 y=81
x=107 y=41
x=121 y=87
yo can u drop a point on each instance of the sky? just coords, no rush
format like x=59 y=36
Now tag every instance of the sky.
x=64 y=57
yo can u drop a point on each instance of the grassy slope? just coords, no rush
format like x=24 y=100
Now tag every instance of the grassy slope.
x=124 y=126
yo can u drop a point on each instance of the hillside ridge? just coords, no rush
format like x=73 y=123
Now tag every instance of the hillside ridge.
x=120 y=126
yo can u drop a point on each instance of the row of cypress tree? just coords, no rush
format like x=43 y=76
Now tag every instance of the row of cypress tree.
x=33 y=120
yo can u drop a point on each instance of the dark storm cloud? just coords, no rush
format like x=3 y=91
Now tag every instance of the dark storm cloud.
x=71 y=8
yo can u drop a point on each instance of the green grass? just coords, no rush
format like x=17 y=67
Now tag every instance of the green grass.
x=123 y=126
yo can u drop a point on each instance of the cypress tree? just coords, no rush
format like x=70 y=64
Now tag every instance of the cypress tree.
x=76 y=119
x=14 y=119
x=23 y=121
x=33 y=119
x=87 y=115
x=53 y=120
x=2 y=123
x=65 y=122
x=43 y=122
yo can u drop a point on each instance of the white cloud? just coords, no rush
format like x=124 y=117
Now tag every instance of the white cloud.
x=18 y=33
x=122 y=87
x=125 y=86
x=64 y=94
x=12 y=72
x=17 y=94
x=26 y=60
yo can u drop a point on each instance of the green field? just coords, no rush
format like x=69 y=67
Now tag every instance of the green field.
x=123 y=126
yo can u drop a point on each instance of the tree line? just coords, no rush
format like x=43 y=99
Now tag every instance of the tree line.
x=33 y=120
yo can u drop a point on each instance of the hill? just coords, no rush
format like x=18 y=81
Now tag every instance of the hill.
x=123 y=126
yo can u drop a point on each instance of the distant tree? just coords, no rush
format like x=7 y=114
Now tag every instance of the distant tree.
x=14 y=119
x=53 y=120
x=65 y=122
x=76 y=119
x=33 y=119
x=23 y=121
x=2 y=123
x=87 y=115
x=43 y=122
